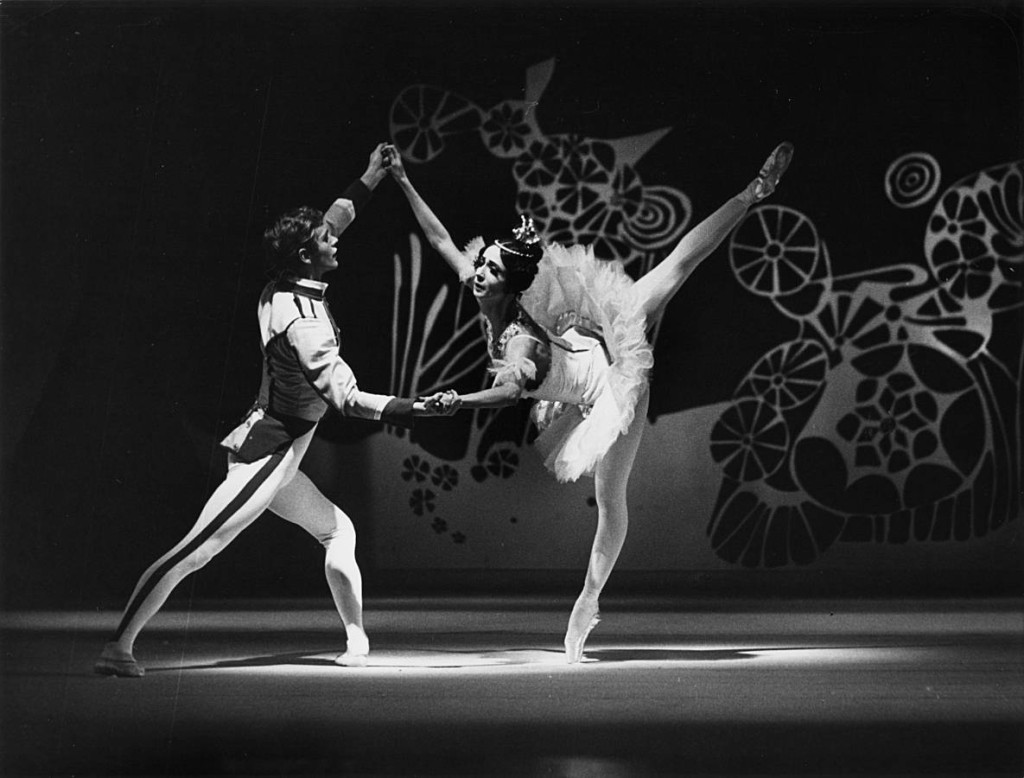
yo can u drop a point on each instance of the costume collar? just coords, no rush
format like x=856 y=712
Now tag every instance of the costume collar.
x=306 y=287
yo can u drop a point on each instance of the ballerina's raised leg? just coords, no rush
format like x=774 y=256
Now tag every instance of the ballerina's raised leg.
x=660 y=284
x=611 y=478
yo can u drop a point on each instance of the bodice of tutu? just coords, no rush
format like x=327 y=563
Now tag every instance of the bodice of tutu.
x=589 y=314
x=578 y=371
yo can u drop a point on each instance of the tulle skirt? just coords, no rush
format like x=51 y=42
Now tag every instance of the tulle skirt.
x=574 y=289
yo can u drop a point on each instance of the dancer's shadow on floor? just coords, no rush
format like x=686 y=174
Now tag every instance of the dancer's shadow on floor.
x=437 y=659
x=668 y=654
x=293 y=659
x=700 y=654
x=440 y=659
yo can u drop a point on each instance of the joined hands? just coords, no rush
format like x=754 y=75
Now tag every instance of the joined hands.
x=443 y=403
x=393 y=162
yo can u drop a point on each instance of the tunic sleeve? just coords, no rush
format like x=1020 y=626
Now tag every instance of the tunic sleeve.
x=317 y=351
x=342 y=211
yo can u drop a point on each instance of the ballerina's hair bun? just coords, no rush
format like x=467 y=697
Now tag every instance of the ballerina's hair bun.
x=521 y=255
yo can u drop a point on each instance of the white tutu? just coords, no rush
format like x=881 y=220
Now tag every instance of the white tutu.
x=573 y=289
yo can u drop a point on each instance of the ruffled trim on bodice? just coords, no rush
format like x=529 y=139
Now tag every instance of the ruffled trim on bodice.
x=519 y=370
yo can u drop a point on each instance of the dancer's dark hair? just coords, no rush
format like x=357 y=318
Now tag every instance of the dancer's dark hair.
x=283 y=239
x=520 y=256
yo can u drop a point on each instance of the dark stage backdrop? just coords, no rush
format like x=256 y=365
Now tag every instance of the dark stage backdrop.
x=837 y=389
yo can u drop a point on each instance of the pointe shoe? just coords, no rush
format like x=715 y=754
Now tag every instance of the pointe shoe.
x=115 y=661
x=355 y=653
x=585 y=616
x=349 y=659
x=771 y=171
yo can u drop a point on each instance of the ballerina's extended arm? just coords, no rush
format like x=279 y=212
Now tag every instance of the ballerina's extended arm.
x=437 y=235
x=449 y=401
x=524 y=358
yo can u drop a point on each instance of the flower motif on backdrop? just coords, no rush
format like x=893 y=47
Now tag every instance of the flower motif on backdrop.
x=894 y=414
x=907 y=422
x=574 y=187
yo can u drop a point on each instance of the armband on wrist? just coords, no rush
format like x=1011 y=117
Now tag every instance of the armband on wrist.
x=359 y=193
x=399 y=412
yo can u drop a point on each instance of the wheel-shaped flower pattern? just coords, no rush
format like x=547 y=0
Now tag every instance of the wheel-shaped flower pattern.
x=584 y=180
x=975 y=237
x=960 y=253
x=788 y=375
x=898 y=427
x=538 y=165
x=422 y=501
x=445 y=477
x=505 y=129
x=893 y=423
x=422 y=116
x=414 y=468
x=604 y=225
x=774 y=251
x=502 y=462
x=750 y=440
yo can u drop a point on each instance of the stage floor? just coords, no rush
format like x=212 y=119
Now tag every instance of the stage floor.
x=459 y=686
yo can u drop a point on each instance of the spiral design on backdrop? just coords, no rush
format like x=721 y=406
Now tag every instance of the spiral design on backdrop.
x=662 y=219
x=912 y=180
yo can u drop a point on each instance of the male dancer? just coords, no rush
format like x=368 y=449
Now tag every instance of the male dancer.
x=303 y=374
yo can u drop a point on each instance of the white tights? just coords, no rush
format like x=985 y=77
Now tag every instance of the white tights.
x=275 y=483
x=611 y=477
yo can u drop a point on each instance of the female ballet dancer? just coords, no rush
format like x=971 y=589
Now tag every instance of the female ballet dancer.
x=570 y=331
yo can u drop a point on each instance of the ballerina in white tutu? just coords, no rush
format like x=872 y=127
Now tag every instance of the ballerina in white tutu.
x=569 y=331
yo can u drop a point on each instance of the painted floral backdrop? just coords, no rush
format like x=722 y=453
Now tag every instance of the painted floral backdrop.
x=893 y=414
